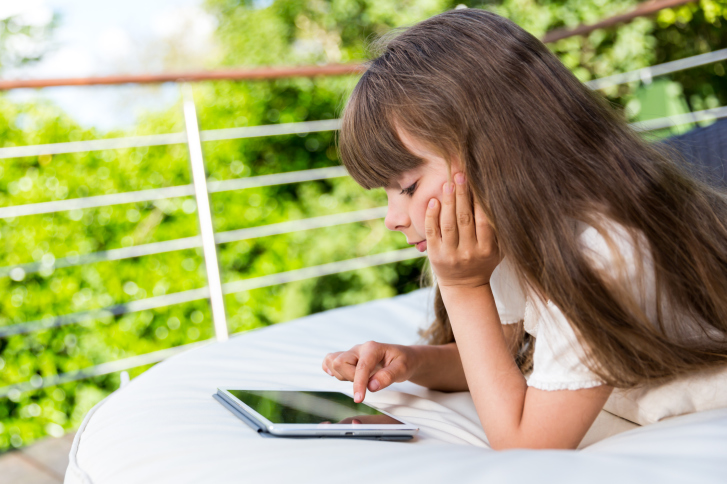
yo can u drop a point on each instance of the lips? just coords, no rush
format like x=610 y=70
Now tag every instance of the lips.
x=421 y=245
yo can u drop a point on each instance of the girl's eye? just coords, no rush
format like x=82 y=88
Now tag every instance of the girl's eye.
x=409 y=190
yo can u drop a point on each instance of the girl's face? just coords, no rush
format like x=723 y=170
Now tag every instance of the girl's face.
x=410 y=193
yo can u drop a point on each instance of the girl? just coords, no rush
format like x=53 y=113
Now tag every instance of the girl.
x=570 y=257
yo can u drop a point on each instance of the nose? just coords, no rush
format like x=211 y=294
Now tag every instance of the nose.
x=396 y=217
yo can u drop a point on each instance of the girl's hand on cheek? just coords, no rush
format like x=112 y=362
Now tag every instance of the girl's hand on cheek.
x=461 y=244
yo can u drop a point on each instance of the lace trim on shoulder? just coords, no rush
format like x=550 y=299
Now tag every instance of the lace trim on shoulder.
x=510 y=322
x=563 y=385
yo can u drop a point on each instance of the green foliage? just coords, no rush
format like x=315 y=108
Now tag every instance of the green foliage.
x=287 y=32
x=695 y=28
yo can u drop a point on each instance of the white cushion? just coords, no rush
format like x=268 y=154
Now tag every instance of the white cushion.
x=697 y=392
x=165 y=427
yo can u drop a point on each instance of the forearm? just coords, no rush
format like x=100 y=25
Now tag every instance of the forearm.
x=497 y=386
x=439 y=367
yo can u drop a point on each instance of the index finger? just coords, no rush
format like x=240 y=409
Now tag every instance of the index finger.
x=367 y=361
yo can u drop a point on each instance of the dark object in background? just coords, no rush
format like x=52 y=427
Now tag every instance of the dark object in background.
x=706 y=149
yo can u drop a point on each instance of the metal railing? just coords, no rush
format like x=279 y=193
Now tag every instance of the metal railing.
x=200 y=188
x=647 y=73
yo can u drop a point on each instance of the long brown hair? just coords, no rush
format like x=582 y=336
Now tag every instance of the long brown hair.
x=540 y=150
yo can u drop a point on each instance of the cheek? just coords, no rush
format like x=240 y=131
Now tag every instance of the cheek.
x=418 y=215
x=418 y=209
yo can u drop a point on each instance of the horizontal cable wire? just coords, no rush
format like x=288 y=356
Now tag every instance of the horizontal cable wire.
x=270 y=130
x=321 y=270
x=276 y=179
x=97 y=201
x=679 y=119
x=647 y=73
x=203 y=292
x=116 y=310
x=169 y=139
x=170 y=192
x=93 y=145
x=298 y=225
x=196 y=241
x=106 y=255
x=102 y=369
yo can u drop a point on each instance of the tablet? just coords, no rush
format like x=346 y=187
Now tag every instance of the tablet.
x=310 y=413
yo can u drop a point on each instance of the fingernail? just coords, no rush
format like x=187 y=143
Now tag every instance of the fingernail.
x=459 y=178
x=432 y=203
x=357 y=398
x=374 y=385
x=329 y=372
x=449 y=187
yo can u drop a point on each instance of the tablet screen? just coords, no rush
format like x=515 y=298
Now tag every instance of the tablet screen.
x=293 y=407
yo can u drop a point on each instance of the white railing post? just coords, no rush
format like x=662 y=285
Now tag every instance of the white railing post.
x=204 y=214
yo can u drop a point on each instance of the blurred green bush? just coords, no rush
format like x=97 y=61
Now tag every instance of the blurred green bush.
x=286 y=32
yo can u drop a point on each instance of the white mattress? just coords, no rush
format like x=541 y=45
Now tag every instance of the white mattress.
x=165 y=427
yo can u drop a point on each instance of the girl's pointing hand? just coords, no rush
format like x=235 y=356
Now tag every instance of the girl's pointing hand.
x=371 y=366
x=460 y=242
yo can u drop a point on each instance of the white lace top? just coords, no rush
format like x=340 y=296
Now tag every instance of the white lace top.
x=558 y=355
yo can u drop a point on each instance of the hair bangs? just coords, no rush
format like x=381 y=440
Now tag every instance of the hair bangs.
x=369 y=144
